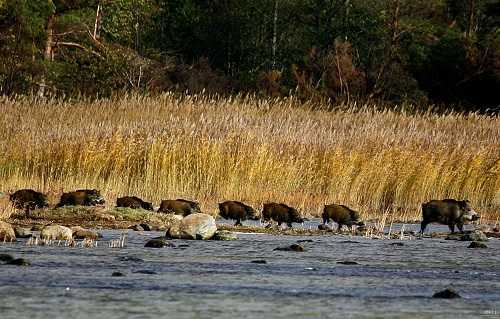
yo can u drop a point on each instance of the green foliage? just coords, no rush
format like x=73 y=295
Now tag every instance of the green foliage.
x=406 y=50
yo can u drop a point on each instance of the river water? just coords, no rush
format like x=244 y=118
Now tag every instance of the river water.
x=214 y=279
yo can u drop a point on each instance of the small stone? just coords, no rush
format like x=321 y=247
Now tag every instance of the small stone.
x=496 y=230
x=305 y=241
x=447 y=294
x=224 y=235
x=18 y=262
x=259 y=261
x=476 y=244
x=347 y=262
x=6 y=257
x=292 y=247
x=117 y=274
x=159 y=242
x=145 y=227
x=396 y=244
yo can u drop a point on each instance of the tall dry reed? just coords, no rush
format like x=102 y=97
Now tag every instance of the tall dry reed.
x=211 y=149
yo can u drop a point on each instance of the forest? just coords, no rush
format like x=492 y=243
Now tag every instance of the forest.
x=419 y=52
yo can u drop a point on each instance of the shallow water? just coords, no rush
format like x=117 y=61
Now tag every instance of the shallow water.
x=213 y=279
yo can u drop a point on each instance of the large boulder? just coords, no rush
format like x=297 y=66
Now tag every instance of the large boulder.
x=7 y=232
x=195 y=226
x=56 y=232
x=82 y=233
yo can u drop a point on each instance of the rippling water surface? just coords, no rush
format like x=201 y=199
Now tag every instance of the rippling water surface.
x=214 y=279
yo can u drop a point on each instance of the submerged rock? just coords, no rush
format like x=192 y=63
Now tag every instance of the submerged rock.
x=292 y=247
x=158 y=242
x=447 y=294
x=396 y=244
x=224 y=235
x=145 y=272
x=18 y=262
x=476 y=244
x=347 y=262
x=117 y=274
x=56 y=232
x=6 y=257
x=259 y=261
x=145 y=227
x=475 y=235
x=7 y=232
x=22 y=232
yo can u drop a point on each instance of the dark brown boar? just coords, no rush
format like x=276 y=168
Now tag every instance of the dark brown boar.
x=342 y=215
x=237 y=211
x=281 y=213
x=133 y=202
x=449 y=212
x=28 y=199
x=82 y=197
x=179 y=207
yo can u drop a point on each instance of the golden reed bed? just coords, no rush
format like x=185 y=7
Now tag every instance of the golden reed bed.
x=383 y=163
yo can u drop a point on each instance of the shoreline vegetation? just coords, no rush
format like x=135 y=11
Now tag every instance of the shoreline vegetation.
x=381 y=162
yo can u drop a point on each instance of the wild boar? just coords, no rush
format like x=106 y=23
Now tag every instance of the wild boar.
x=179 y=207
x=237 y=211
x=342 y=215
x=449 y=212
x=133 y=202
x=28 y=199
x=280 y=213
x=82 y=197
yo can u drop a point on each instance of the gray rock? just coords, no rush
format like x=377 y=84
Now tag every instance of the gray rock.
x=22 y=232
x=195 y=226
x=56 y=232
x=224 y=235
x=475 y=235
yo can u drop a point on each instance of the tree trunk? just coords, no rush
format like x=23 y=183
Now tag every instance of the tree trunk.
x=48 y=54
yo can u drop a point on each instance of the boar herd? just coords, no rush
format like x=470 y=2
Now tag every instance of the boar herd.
x=449 y=212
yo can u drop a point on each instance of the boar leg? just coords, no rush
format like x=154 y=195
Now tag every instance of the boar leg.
x=340 y=227
x=289 y=225
x=238 y=223
x=460 y=228
x=326 y=220
x=423 y=225
x=452 y=228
